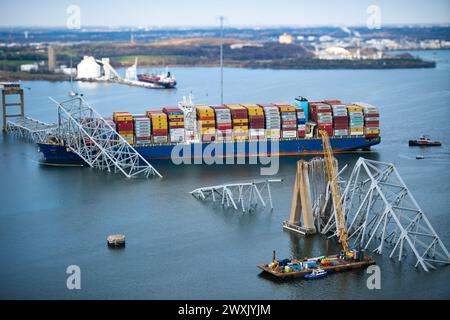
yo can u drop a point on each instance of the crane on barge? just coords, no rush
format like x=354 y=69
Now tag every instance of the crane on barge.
x=332 y=174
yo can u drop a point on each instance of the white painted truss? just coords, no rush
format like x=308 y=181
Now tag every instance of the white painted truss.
x=29 y=128
x=381 y=212
x=246 y=195
x=91 y=137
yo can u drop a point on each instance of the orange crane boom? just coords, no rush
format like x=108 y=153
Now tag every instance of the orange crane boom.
x=335 y=190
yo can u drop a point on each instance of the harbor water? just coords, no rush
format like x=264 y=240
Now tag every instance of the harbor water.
x=180 y=248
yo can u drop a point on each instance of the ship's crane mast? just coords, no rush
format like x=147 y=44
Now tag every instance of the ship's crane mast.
x=335 y=190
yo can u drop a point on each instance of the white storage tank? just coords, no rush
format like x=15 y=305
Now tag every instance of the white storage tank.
x=88 y=68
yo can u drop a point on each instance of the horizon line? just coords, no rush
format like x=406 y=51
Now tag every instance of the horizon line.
x=277 y=26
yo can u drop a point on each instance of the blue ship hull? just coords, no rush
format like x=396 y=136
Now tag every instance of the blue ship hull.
x=62 y=155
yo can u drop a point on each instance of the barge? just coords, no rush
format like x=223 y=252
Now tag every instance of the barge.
x=336 y=264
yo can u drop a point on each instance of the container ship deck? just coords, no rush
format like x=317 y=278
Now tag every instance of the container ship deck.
x=238 y=130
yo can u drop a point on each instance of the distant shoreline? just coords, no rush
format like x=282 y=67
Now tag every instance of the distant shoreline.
x=300 y=64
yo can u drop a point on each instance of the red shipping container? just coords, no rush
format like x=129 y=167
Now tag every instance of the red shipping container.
x=224 y=126
x=125 y=125
x=206 y=125
x=301 y=133
x=160 y=132
x=372 y=123
x=142 y=138
x=332 y=102
x=171 y=109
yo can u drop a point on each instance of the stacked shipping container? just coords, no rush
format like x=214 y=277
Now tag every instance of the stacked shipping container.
x=356 y=120
x=288 y=117
x=371 y=119
x=224 y=126
x=159 y=125
x=239 y=117
x=124 y=125
x=273 y=121
x=340 y=119
x=255 y=121
x=206 y=123
x=322 y=115
x=175 y=117
x=142 y=130
x=250 y=121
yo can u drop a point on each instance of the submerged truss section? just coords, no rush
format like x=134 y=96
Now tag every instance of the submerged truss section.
x=29 y=128
x=246 y=195
x=91 y=137
x=381 y=212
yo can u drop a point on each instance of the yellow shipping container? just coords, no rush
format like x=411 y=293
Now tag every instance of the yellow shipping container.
x=234 y=106
x=204 y=130
x=206 y=121
x=122 y=116
x=372 y=131
x=273 y=131
x=356 y=130
x=240 y=121
x=158 y=123
x=353 y=108
x=240 y=129
x=287 y=109
x=253 y=112
x=127 y=135
x=176 y=116
x=180 y=123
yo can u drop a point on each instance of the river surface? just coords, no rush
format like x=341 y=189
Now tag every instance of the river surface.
x=181 y=248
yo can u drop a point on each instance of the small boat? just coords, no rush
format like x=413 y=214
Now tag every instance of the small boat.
x=424 y=141
x=420 y=157
x=316 y=274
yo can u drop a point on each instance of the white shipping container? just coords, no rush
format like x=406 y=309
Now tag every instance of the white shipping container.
x=160 y=139
x=342 y=132
x=289 y=134
x=257 y=132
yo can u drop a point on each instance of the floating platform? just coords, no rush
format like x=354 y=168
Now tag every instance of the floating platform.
x=340 y=265
x=116 y=240
x=298 y=229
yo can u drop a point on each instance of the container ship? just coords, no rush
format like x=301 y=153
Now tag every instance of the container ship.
x=240 y=130
x=163 y=80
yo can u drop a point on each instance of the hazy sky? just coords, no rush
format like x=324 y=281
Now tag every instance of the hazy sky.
x=237 y=12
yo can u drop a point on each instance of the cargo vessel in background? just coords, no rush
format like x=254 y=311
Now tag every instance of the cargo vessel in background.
x=239 y=130
x=163 y=80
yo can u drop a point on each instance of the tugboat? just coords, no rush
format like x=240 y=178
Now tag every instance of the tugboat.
x=316 y=274
x=424 y=141
x=164 y=80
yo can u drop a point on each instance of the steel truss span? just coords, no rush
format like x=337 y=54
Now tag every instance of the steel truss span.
x=29 y=128
x=381 y=213
x=91 y=137
x=246 y=195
